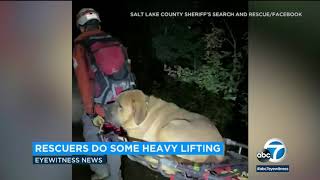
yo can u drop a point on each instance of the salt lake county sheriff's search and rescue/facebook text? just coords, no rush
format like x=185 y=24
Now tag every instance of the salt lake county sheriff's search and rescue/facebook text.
x=217 y=14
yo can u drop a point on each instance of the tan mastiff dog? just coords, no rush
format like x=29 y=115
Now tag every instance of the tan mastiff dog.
x=151 y=119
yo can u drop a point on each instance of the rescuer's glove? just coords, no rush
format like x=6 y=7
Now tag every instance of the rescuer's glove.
x=98 y=121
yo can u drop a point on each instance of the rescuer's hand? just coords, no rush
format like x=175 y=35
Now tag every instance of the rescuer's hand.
x=98 y=121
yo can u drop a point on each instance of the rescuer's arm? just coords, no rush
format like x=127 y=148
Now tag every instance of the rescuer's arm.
x=82 y=75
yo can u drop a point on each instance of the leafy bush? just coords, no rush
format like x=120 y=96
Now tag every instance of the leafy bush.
x=207 y=72
x=218 y=71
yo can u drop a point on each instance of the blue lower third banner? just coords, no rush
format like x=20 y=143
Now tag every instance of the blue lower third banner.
x=126 y=148
x=69 y=159
x=272 y=168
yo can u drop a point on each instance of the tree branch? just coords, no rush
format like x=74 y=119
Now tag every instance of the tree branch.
x=234 y=42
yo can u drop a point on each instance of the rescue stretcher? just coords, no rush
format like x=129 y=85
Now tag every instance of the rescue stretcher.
x=234 y=167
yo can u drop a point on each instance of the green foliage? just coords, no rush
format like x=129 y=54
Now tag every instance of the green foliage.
x=206 y=72
x=218 y=71
x=192 y=98
x=177 y=44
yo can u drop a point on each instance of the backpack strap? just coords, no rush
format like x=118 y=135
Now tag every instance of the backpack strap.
x=124 y=51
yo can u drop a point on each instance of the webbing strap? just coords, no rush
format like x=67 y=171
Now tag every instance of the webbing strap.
x=135 y=139
x=172 y=177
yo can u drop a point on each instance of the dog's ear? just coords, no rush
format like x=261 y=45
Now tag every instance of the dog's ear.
x=139 y=108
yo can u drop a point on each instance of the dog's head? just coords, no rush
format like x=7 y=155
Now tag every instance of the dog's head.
x=130 y=109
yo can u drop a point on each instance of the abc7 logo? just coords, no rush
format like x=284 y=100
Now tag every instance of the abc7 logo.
x=274 y=151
